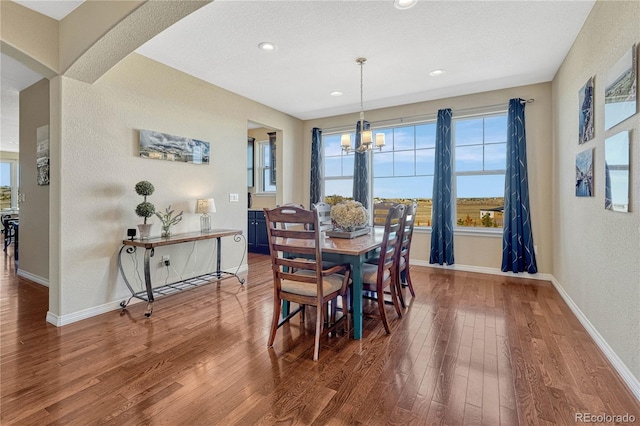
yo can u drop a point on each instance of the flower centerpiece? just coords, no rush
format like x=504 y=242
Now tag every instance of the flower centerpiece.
x=168 y=219
x=145 y=209
x=349 y=216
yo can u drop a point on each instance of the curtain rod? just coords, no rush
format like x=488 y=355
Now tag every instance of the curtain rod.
x=457 y=113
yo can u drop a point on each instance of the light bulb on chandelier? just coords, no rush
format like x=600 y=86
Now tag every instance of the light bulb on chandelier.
x=366 y=139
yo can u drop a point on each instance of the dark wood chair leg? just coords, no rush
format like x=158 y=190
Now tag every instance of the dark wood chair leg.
x=275 y=320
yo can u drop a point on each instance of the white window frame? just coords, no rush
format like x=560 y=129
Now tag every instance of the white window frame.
x=474 y=230
x=262 y=168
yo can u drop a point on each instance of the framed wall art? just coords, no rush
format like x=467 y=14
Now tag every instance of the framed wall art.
x=161 y=146
x=584 y=173
x=616 y=169
x=42 y=155
x=620 y=96
x=585 y=98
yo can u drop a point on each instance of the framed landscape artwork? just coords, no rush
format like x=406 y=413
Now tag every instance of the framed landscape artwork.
x=42 y=155
x=161 y=146
x=620 y=97
x=585 y=98
x=616 y=169
x=584 y=173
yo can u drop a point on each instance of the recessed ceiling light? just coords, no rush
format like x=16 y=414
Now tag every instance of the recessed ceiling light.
x=437 y=73
x=404 y=4
x=267 y=46
x=336 y=93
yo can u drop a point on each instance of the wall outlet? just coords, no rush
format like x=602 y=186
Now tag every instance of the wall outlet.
x=234 y=198
x=165 y=261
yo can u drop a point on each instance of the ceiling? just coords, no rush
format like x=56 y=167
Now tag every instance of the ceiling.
x=482 y=45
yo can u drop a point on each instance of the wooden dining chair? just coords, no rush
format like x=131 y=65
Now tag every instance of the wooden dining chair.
x=324 y=216
x=380 y=212
x=379 y=277
x=301 y=279
x=403 y=275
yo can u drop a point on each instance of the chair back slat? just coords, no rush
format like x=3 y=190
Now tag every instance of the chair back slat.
x=286 y=241
x=380 y=212
x=324 y=216
x=407 y=232
x=390 y=243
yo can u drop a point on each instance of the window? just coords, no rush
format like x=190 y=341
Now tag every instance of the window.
x=8 y=184
x=404 y=169
x=264 y=167
x=480 y=152
x=338 y=168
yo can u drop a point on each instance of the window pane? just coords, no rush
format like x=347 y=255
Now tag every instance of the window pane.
x=388 y=138
x=342 y=187
x=426 y=136
x=495 y=156
x=403 y=138
x=406 y=187
x=266 y=154
x=404 y=163
x=468 y=132
x=468 y=158
x=480 y=186
x=480 y=201
x=382 y=164
x=495 y=129
x=266 y=177
x=425 y=161
x=332 y=166
x=404 y=190
x=332 y=145
x=5 y=185
x=348 y=164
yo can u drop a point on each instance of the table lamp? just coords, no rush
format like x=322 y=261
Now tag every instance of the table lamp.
x=205 y=206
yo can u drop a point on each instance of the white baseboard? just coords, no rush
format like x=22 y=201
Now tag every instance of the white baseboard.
x=32 y=277
x=60 y=321
x=627 y=376
x=483 y=270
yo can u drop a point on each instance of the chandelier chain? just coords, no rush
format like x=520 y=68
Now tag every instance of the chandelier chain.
x=361 y=85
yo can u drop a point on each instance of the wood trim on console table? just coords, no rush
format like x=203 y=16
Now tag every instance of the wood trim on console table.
x=182 y=238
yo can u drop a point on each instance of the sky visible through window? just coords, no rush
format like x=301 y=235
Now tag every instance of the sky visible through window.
x=402 y=170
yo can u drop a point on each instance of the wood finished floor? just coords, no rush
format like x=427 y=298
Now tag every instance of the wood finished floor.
x=471 y=349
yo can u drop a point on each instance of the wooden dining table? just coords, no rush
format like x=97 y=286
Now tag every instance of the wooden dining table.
x=355 y=251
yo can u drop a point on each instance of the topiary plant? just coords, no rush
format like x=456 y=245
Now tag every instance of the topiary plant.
x=145 y=209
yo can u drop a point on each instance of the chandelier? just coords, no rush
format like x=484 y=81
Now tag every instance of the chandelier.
x=366 y=139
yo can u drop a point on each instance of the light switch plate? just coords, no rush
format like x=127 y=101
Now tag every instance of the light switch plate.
x=233 y=198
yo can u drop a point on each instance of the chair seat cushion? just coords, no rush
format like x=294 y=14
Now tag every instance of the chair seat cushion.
x=370 y=274
x=325 y=264
x=331 y=284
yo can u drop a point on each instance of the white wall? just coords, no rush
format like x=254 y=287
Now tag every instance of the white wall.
x=597 y=252
x=473 y=250
x=99 y=166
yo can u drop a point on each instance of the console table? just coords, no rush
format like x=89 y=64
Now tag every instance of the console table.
x=149 y=245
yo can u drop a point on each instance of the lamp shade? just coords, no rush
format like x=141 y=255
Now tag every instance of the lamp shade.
x=379 y=140
x=205 y=205
x=345 y=140
x=367 y=137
